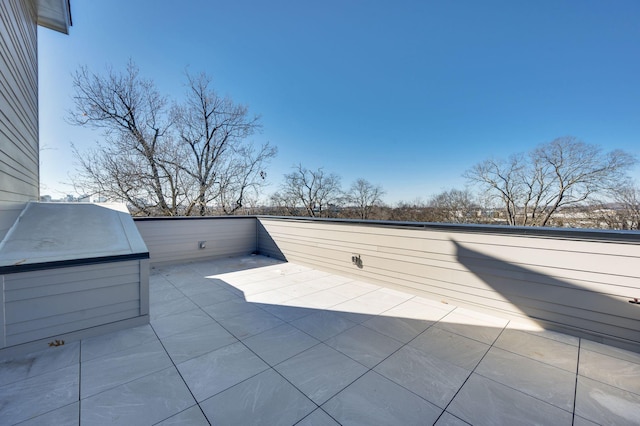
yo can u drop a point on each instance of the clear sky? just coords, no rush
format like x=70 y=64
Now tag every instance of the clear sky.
x=406 y=94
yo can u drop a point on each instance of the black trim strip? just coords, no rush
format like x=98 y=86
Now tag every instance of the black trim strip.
x=155 y=218
x=57 y=264
x=524 y=231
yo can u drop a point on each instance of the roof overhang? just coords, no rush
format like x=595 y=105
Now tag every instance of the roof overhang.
x=54 y=14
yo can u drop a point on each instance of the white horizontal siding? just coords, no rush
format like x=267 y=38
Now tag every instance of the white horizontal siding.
x=577 y=284
x=42 y=304
x=176 y=239
x=19 y=153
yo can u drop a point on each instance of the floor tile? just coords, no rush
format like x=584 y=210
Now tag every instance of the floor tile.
x=157 y=281
x=105 y=344
x=354 y=289
x=318 y=418
x=435 y=380
x=312 y=276
x=536 y=330
x=545 y=350
x=323 y=324
x=13 y=369
x=195 y=342
x=262 y=286
x=321 y=299
x=109 y=371
x=530 y=377
x=412 y=309
x=471 y=326
x=144 y=401
x=271 y=296
x=250 y=323
x=483 y=402
x=401 y=329
x=606 y=405
x=375 y=400
x=364 y=345
x=212 y=297
x=373 y=303
x=264 y=399
x=180 y=322
x=354 y=317
x=164 y=294
x=218 y=370
x=579 y=421
x=192 y=416
x=202 y=286
x=182 y=304
x=612 y=371
x=287 y=313
x=453 y=348
x=320 y=372
x=67 y=415
x=448 y=419
x=229 y=308
x=39 y=394
x=280 y=343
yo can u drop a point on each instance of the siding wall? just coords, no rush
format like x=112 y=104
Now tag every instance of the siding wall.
x=172 y=240
x=19 y=154
x=579 y=282
x=55 y=302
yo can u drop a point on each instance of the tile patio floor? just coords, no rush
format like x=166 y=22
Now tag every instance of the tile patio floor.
x=255 y=341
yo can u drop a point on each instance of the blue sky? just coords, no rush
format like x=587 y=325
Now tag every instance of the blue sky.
x=406 y=94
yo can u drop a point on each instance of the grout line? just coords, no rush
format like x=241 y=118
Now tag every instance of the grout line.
x=181 y=377
x=80 y=382
x=575 y=389
x=473 y=370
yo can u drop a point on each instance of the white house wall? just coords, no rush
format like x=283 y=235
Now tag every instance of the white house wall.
x=19 y=154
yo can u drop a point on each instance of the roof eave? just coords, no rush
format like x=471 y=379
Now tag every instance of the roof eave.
x=54 y=14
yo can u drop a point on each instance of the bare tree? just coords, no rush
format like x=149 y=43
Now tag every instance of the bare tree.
x=243 y=176
x=134 y=118
x=314 y=190
x=411 y=211
x=501 y=179
x=214 y=131
x=364 y=196
x=562 y=173
x=165 y=162
x=454 y=206
x=623 y=209
x=283 y=204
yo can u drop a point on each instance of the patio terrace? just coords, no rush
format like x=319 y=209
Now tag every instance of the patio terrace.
x=255 y=340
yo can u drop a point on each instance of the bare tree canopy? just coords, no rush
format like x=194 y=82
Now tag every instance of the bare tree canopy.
x=193 y=158
x=364 y=196
x=454 y=206
x=314 y=190
x=564 y=172
x=623 y=212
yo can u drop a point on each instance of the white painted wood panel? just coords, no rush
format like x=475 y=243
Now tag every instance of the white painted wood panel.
x=176 y=239
x=47 y=303
x=19 y=100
